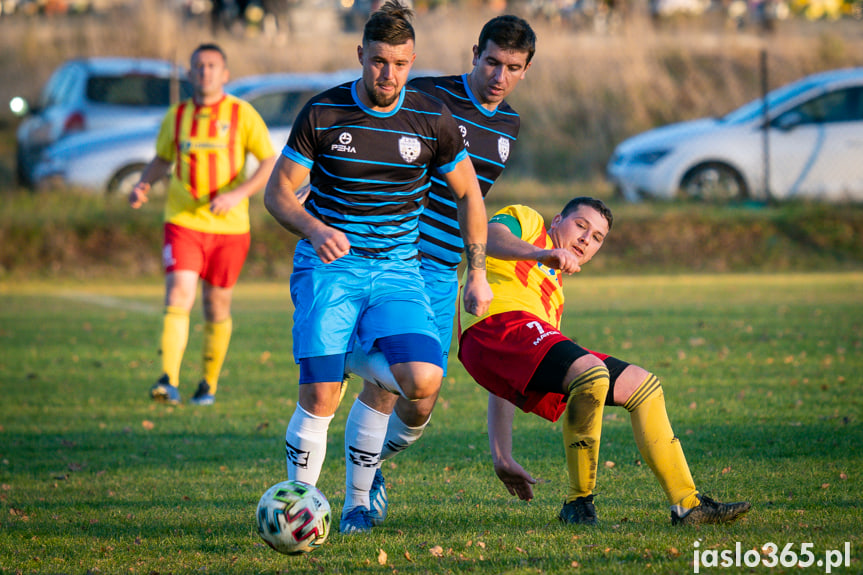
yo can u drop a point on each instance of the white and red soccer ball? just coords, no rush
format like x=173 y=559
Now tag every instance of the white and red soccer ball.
x=293 y=517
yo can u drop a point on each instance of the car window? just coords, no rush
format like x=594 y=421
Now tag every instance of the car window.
x=755 y=108
x=59 y=86
x=280 y=108
x=832 y=107
x=134 y=90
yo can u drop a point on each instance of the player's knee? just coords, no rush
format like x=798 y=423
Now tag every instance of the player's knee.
x=418 y=380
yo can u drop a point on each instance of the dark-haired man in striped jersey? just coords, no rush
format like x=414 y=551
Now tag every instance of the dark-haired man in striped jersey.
x=489 y=128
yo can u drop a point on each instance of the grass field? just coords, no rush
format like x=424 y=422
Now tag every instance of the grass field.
x=761 y=375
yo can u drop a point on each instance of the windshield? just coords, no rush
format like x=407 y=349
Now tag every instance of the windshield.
x=134 y=90
x=755 y=108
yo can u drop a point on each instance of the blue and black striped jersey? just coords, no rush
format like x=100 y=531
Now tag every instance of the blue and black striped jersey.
x=488 y=138
x=371 y=171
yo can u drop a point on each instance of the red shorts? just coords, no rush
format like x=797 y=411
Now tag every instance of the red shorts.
x=218 y=258
x=502 y=353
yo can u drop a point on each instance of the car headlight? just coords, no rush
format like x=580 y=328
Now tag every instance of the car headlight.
x=649 y=157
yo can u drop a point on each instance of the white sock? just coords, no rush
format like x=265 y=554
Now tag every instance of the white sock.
x=364 y=436
x=306 y=445
x=399 y=436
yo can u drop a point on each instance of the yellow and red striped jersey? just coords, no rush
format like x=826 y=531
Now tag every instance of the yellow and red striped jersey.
x=522 y=285
x=208 y=146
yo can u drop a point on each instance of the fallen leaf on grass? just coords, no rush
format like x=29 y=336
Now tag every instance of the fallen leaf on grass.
x=674 y=552
x=609 y=464
x=843 y=476
x=382 y=557
x=575 y=565
x=147 y=424
x=408 y=557
x=437 y=551
x=825 y=485
x=726 y=470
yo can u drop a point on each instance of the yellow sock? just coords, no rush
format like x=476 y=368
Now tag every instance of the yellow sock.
x=582 y=427
x=175 y=335
x=658 y=445
x=217 y=336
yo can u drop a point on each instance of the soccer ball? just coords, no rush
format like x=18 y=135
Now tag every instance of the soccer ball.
x=293 y=517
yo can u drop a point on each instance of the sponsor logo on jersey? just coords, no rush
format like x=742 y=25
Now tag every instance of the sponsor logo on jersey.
x=409 y=148
x=503 y=148
x=344 y=144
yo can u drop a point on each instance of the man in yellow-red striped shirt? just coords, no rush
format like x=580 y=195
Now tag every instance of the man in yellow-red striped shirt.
x=206 y=139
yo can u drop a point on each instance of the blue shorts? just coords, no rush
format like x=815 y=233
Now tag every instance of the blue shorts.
x=442 y=290
x=355 y=298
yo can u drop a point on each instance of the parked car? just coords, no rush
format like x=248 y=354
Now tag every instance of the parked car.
x=112 y=161
x=93 y=94
x=814 y=130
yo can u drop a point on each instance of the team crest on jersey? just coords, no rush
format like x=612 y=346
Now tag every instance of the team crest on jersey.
x=409 y=148
x=503 y=148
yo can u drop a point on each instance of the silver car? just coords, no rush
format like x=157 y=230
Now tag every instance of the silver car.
x=92 y=94
x=808 y=144
x=112 y=161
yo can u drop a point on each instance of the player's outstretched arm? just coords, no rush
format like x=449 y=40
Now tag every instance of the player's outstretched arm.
x=329 y=243
x=474 y=229
x=517 y=481
x=504 y=245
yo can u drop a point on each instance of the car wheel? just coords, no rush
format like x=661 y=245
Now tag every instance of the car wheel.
x=713 y=182
x=124 y=182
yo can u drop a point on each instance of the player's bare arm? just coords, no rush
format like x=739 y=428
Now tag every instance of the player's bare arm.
x=224 y=203
x=474 y=229
x=280 y=200
x=155 y=171
x=504 y=245
x=517 y=481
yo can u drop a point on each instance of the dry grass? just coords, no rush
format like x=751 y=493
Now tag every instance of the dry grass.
x=585 y=92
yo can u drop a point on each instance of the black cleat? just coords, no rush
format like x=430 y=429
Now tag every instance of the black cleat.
x=202 y=394
x=580 y=512
x=710 y=511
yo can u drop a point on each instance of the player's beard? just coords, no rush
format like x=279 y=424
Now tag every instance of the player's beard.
x=379 y=99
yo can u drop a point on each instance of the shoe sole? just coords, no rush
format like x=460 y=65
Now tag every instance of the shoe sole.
x=202 y=402
x=160 y=396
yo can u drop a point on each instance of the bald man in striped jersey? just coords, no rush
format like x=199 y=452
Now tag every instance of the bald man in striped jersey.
x=207 y=139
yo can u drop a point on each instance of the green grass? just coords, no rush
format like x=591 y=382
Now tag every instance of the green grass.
x=762 y=380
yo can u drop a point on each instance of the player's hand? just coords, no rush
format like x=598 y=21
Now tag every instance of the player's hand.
x=224 y=203
x=138 y=195
x=517 y=481
x=477 y=293
x=330 y=244
x=560 y=259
